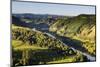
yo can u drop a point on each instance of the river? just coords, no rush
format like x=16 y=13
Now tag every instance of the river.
x=69 y=42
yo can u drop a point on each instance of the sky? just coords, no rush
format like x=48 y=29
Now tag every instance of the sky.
x=56 y=9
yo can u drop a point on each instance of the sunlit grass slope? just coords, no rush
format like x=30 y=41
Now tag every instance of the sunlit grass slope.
x=80 y=27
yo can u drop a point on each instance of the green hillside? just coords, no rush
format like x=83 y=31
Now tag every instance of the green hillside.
x=80 y=27
x=31 y=47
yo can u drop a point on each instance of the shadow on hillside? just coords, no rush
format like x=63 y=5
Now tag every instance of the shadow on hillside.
x=76 y=44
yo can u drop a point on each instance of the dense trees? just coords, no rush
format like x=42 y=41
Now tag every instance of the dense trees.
x=33 y=47
x=36 y=37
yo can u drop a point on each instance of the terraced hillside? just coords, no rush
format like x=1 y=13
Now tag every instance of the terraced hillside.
x=80 y=27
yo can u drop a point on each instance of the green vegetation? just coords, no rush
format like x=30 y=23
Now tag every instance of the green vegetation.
x=32 y=47
x=80 y=27
x=36 y=37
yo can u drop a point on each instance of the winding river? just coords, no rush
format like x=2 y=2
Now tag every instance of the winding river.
x=69 y=42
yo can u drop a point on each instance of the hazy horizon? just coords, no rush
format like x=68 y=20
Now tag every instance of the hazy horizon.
x=51 y=9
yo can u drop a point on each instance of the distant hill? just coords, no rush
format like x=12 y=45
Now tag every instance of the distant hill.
x=17 y=21
x=37 y=18
x=29 y=15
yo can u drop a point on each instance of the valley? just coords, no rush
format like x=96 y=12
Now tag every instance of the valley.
x=48 y=39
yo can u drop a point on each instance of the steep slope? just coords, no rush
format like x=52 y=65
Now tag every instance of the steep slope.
x=81 y=27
